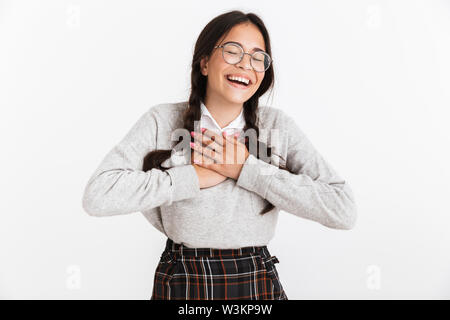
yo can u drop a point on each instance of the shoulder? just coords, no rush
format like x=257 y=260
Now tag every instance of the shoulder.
x=273 y=117
x=278 y=122
x=168 y=109
x=168 y=113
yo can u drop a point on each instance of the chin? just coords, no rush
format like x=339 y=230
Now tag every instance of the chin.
x=236 y=100
x=236 y=97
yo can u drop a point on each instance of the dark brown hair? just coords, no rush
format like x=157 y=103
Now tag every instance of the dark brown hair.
x=209 y=36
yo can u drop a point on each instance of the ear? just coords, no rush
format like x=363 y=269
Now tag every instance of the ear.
x=204 y=66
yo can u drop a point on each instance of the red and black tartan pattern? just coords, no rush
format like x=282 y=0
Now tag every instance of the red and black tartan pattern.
x=247 y=273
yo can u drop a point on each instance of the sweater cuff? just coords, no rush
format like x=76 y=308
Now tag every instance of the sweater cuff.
x=256 y=175
x=185 y=182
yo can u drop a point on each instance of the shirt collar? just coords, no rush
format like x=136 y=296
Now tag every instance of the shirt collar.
x=207 y=121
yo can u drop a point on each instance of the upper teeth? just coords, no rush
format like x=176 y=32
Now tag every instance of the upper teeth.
x=246 y=81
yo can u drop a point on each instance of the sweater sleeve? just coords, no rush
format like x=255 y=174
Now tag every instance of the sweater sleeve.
x=313 y=191
x=120 y=186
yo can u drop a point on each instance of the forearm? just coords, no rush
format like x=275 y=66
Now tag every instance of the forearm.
x=122 y=191
x=330 y=202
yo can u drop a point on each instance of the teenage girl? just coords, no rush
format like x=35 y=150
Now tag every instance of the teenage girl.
x=218 y=203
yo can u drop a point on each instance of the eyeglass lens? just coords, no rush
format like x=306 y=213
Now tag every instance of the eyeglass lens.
x=233 y=54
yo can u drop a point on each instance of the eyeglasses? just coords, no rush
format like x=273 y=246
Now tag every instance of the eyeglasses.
x=233 y=53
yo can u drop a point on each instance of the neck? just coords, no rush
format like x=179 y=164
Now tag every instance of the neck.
x=223 y=111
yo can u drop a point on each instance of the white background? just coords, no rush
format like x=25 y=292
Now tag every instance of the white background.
x=367 y=81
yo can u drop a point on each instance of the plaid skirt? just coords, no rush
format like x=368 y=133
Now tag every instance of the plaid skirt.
x=246 y=273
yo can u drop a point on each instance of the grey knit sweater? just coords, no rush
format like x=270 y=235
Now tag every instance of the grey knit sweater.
x=226 y=215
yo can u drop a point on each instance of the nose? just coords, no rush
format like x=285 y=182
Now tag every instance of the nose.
x=245 y=61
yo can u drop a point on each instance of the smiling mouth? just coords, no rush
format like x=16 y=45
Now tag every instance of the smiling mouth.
x=237 y=84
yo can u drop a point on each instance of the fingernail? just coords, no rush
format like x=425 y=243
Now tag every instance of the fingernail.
x=236 y=134
x=192 y=133
x=196 y=161
x=192 y=144
x=224 y=133
x=203 y=130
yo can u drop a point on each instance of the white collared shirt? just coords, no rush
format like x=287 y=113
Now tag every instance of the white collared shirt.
x=207 y=121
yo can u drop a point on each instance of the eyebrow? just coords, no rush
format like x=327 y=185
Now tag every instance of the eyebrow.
x=254 y=49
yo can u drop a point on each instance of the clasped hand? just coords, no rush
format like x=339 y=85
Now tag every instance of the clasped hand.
x=219 y=152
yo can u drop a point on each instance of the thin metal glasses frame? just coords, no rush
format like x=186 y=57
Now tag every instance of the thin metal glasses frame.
x=242 y=56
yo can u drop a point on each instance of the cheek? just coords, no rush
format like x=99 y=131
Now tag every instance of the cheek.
x=260 y=79
x=217 y=72
x=218 y=64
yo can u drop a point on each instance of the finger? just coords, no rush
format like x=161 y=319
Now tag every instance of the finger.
x=205 y=151
x=197 y=157
x=206 y=141
x=230 y=138
x=200 y=159
x=230 y=141
x=240 y=138
x=214 y=136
